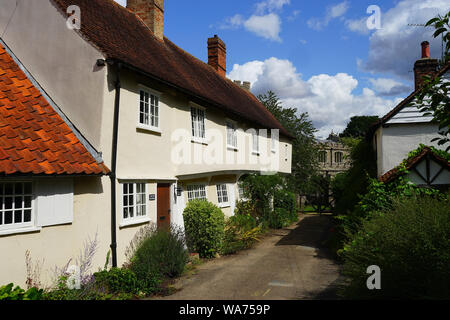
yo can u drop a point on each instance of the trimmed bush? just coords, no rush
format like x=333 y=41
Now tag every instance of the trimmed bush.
x=117 y=280
x=411 y=245
x=204 y=224
x=161 y=254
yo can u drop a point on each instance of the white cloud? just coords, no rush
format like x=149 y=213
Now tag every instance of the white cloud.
x=270 y=6
x=265 y=22
x=329 y=99
x=396 y=46
x=358 y=25
x=267 y=26
x=233 y=22
x=332 y=12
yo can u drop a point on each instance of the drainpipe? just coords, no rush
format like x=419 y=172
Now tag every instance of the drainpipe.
x=112 y=175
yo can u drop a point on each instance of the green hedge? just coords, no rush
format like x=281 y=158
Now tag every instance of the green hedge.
x=204 y=224
x=411 y=245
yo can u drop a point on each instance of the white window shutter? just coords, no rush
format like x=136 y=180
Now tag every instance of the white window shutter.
x=54 y=198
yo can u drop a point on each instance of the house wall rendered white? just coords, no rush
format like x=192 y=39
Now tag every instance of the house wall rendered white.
x=65 y=66
x=397 y=140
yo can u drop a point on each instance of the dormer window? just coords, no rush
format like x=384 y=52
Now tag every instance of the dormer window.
x=149 y=113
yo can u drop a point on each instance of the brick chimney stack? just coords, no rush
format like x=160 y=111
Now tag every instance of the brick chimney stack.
x=217 y=55
x=151 y=12
x=425 y=66
x=245 y=85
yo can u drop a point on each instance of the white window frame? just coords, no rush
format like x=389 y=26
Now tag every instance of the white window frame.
x=157 y=115
x=22 y=226
x=135 y=219
x=191 y=191
x=255 y=141
x=198 y=128
x=221 y=196
x=231 y=131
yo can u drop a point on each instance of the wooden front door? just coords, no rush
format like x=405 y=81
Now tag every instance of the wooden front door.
x=163 y=198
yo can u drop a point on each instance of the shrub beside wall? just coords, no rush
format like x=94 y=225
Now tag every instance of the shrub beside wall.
x=204 y=225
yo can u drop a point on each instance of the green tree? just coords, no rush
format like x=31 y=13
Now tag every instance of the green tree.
x=434 y=97
x=358 y=126
x=304 y=146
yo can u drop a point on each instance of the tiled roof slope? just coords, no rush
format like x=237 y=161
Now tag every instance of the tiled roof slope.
x=412 y=162
x=33 y=137
x=120 y=34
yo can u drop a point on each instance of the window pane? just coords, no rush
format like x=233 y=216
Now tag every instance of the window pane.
x=125 y=213
x=8 y=202
x=27 y=202
x=8 y=217
x=18 y=216
x=18 y=202
x=27 y=216
x=1 y=218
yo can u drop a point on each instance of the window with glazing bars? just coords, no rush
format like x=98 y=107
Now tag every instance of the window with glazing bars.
x=134 y=204
x=198 y=123
x=231 y=135
x=16 y=204
x=197 y=191
x=222 y=194
x=149 y=110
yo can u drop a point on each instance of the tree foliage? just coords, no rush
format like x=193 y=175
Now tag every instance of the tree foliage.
x=304 y=147
x=358 y=126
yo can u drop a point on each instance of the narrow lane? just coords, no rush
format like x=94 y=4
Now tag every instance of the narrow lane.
x=287 y=264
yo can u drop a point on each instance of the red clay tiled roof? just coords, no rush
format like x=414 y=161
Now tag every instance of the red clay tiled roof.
x=412 y=162
x=120 y=34
x=33 y=137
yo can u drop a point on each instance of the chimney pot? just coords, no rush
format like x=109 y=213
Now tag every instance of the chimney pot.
x=425 y=50
x=425 y=66
x=151 y=12
x=217 y=55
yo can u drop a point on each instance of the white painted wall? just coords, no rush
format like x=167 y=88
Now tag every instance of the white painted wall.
x=397 y=140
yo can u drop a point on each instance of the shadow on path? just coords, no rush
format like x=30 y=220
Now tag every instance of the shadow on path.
x=312 y=232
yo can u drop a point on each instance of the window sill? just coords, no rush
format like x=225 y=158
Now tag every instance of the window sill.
x=199 y=141
x=130 y=223
x=255 y=153
x=148 y=128
x=231 y=148
x=224 y=205
x=19 y=231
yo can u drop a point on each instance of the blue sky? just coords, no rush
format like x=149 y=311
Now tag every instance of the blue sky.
x=318 y=56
